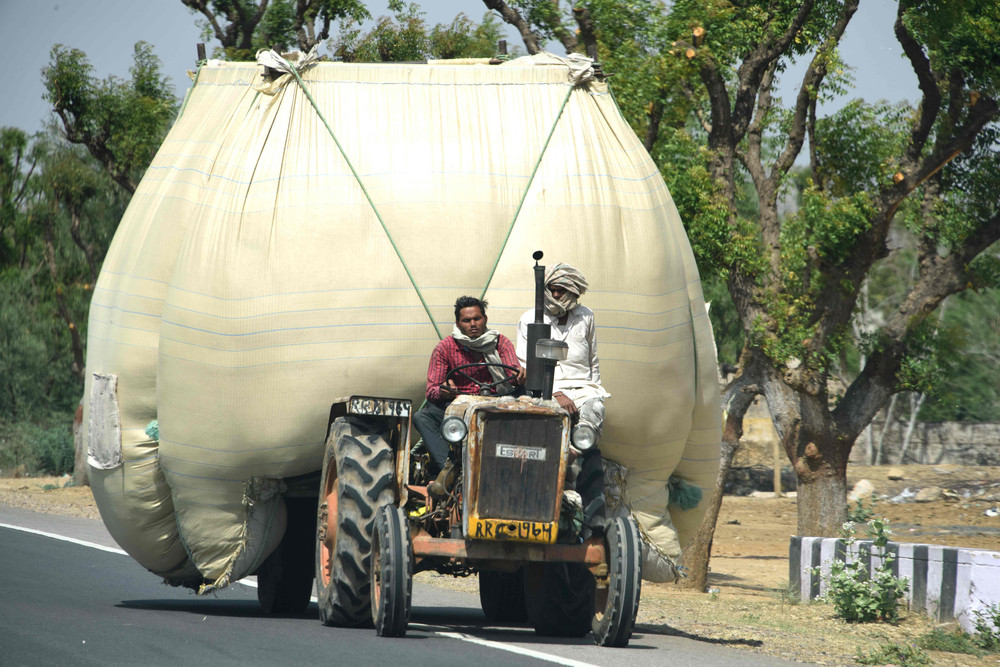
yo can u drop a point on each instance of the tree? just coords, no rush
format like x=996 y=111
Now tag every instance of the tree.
x=463 y=38
x=121 y=123
x=702 y=77
x=242 y=27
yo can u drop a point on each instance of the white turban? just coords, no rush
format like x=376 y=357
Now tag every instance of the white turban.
x=571 y=280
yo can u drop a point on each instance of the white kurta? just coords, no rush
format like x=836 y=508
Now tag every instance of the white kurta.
x=579 y=376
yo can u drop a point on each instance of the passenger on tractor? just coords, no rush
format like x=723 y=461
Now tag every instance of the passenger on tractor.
x=450 y=374
x=577 y=385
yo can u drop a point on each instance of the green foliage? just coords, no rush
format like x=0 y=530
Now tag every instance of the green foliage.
x=463 y=38
x=987 y=625
x=285 y=24
x=37 y=449
x=957 y=641
x=861 y=512
x=857 y=595
x=122 y=123
x=24 y=354
x=964 y=36
x=787 y=594
x=400 y=38
x=856 y=147
x=902 y=655
x=717 y=241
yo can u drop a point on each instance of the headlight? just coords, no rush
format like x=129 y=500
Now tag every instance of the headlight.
x=453 y=429
x=584 y=437
x=551 y=350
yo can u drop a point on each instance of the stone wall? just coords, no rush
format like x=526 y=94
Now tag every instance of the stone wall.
x=937 y=443
x=932 y=443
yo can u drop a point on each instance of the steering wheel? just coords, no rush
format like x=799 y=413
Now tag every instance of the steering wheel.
x=485 y=387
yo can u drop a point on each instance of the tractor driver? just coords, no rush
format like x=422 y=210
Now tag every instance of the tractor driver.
x=470 y=342
x=577 y=385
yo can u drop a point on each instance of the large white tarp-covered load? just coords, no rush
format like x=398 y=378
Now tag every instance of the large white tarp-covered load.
x=277 y=255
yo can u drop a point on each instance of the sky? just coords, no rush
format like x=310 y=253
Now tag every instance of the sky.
x=106 y=30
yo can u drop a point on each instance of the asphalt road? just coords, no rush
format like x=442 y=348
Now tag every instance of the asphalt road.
x=69 y=596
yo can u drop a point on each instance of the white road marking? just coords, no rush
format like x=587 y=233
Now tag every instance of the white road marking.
x=252 y=583
x=64 y=538
x=548 y=657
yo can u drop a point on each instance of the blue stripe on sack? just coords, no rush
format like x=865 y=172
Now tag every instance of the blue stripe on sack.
x=241 y=451
x=381 y=289
x=258 y=348
x=214 y=175
x=289 y=362
x=270 y=208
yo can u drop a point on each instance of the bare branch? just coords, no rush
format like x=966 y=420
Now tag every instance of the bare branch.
x=655 y=115
x=756 y=64
x=931 y=103
x=202 y=6
x=587 y=31
x=512 y=17
x=940 y=277
x=811 y=82
x=699 y=114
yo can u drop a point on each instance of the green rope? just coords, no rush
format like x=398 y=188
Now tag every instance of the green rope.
x=392 y=241
x=194 y=83
x=524 y=195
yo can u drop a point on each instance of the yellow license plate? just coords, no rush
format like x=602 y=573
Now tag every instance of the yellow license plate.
x=540 y=532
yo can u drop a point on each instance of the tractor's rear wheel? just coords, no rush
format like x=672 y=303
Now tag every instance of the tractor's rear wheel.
x=618 y=603
x=391 y=572
x=559 y=598
x=284 y=579
x=357 y=479
x=501 y=595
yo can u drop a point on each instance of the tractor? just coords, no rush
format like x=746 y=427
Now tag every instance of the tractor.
x=510 y=517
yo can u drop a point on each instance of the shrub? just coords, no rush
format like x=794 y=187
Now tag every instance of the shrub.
x=904 y=655
x=860 y=513
x=31 y=449
x=987 y=626
x=950 y=642
x=858 y=597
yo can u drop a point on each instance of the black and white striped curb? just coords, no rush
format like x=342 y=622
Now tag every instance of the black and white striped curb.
x=945 y=582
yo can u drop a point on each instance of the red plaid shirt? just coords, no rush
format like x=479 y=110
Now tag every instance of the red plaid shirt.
x=449 y=354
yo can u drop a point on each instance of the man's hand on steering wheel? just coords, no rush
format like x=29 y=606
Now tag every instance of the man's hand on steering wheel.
x=448 y=389
x=514 y=375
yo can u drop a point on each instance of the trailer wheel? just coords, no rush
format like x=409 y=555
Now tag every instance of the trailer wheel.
x=501 y=595
x=357 y=479
x=284 y=579
x=391 y=572
x=559 y=598
x=618 y=603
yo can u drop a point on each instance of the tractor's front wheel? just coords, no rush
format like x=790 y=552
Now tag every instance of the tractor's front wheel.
x=358 y=478
x=391 y=572
x=617 y=599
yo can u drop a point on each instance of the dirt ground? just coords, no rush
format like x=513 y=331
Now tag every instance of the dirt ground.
x=748 y=605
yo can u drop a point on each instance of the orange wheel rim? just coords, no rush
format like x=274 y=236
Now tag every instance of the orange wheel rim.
x=328 y=545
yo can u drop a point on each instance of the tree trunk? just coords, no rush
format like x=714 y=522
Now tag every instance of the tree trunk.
x=885 y=429
x=698 y=552
x=822 y=505
x=80 y=477
x=818 y=452
x=915 y=404
x=737 y=397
